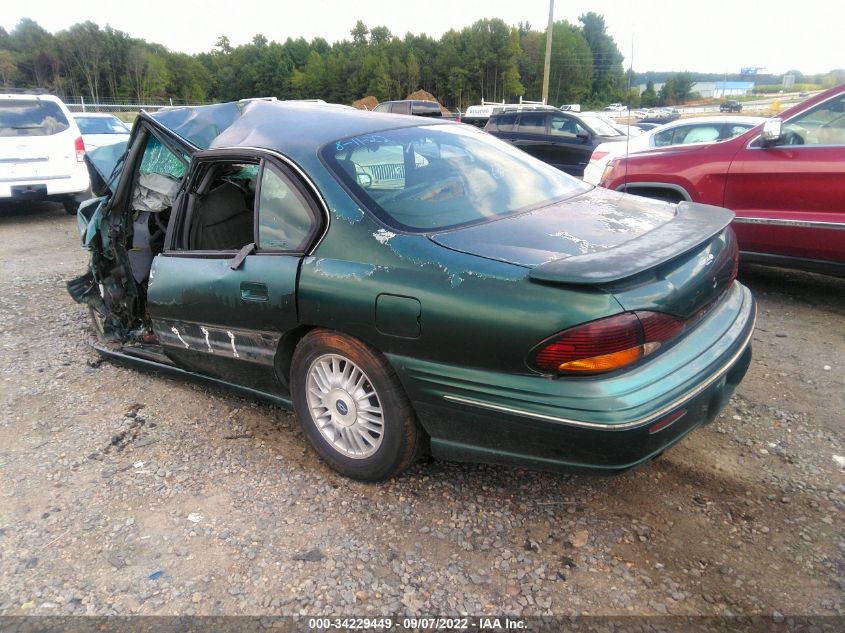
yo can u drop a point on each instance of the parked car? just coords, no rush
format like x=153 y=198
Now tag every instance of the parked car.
x=565 y=140
x=41 y=150
x=99 y=128
x=645 y=127
x=615 y=107
x=479 y=115
x=682 y=132
x=410 y=106
x=659 y=115
x=784 y=180
x=730 y=106
x=404 y=284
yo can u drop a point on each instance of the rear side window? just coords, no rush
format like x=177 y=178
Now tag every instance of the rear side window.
x=284 y=217
x=505 y=122
x=27 y=117
x=532 y=123
x=403 y=107
x=698 y=134
x=737 y=129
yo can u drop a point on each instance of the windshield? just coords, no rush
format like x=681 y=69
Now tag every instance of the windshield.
x=600 y=127
x=101 y=125
x=430 y=178
x=31 y=117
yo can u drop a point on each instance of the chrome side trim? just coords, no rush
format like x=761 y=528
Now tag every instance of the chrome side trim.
x=616 y=427
x=810 y=224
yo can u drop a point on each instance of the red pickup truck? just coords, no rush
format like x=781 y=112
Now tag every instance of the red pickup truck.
x=784 y=179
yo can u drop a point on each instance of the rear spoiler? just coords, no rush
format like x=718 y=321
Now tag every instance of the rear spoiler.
x=693 y=225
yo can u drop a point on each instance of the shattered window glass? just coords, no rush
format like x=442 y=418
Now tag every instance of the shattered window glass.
x=158 y=181
x=160 y=160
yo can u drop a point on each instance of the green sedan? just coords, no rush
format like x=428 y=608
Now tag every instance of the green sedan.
x=409 y=285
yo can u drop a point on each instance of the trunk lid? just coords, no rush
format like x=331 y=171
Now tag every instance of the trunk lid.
x=594 y=222
x=650 y=255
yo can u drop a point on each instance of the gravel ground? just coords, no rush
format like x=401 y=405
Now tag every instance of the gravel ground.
x=125 y=492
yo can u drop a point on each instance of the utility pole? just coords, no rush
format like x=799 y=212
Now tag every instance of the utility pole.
x=548 y=63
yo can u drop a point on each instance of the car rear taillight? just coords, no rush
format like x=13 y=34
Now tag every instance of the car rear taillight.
x=606 y=344
x=79 y=146
x=597 y=156
x=608 y=170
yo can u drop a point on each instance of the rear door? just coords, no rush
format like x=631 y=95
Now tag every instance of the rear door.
x=223 y=293
x=531 y=134
x=790 y=198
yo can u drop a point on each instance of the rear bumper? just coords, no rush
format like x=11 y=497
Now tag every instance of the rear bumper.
x=77 y=182
x=600 y=423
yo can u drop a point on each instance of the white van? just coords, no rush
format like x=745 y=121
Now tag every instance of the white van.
x=41 y=151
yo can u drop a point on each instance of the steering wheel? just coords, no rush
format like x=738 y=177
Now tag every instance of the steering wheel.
x=791 y=137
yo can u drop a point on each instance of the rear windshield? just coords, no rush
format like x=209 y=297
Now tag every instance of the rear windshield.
x=101 y=125
x=431 y=178
x=29 y=117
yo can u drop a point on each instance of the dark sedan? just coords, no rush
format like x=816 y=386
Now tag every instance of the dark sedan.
x=561 y=139
x=406 y=282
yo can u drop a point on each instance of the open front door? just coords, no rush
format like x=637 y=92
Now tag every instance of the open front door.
x=223 y=294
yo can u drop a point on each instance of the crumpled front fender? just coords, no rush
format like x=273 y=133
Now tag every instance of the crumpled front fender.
x=88 y=220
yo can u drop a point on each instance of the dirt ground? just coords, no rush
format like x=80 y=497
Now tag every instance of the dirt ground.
x=126 y=492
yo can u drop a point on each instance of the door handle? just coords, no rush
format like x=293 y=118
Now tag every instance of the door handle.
x=253 y=291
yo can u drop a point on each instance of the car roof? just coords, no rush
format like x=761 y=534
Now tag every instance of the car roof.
x=29 y=96
x=708 y=120
x=292 y=128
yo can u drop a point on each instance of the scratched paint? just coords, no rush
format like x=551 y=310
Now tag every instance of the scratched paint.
x=340 y=269
x=179 y=336
x=583 y=245
x=232 y=339
x=383 y=236
x=207 y=342
x=348 y=214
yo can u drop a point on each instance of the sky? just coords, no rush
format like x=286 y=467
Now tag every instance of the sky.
x=714 y=36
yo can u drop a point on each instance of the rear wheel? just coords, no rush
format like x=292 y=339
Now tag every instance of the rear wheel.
x=352 y=407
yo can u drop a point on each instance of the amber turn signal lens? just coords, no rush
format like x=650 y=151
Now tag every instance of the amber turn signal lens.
x=605 y=362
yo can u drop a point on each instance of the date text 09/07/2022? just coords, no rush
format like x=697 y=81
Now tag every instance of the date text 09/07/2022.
x=421 y=623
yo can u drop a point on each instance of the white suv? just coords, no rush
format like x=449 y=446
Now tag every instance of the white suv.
x=41 y=151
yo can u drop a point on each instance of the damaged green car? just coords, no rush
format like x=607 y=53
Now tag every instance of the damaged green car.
x=408 y=284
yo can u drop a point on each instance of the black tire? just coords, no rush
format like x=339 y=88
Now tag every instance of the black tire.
x=401 y=439
x=71 y=206
x=97 y=324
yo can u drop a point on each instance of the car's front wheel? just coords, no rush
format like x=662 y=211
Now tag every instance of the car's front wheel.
x=352 y=407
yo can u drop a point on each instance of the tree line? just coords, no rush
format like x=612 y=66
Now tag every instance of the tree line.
x=488 y=60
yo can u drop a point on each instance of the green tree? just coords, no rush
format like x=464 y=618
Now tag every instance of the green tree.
x=359 y=33
x=84 y=47
x=648 y=98
x=8 y=67
x=676 y=89
x=608 y=74
x=571 y=68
